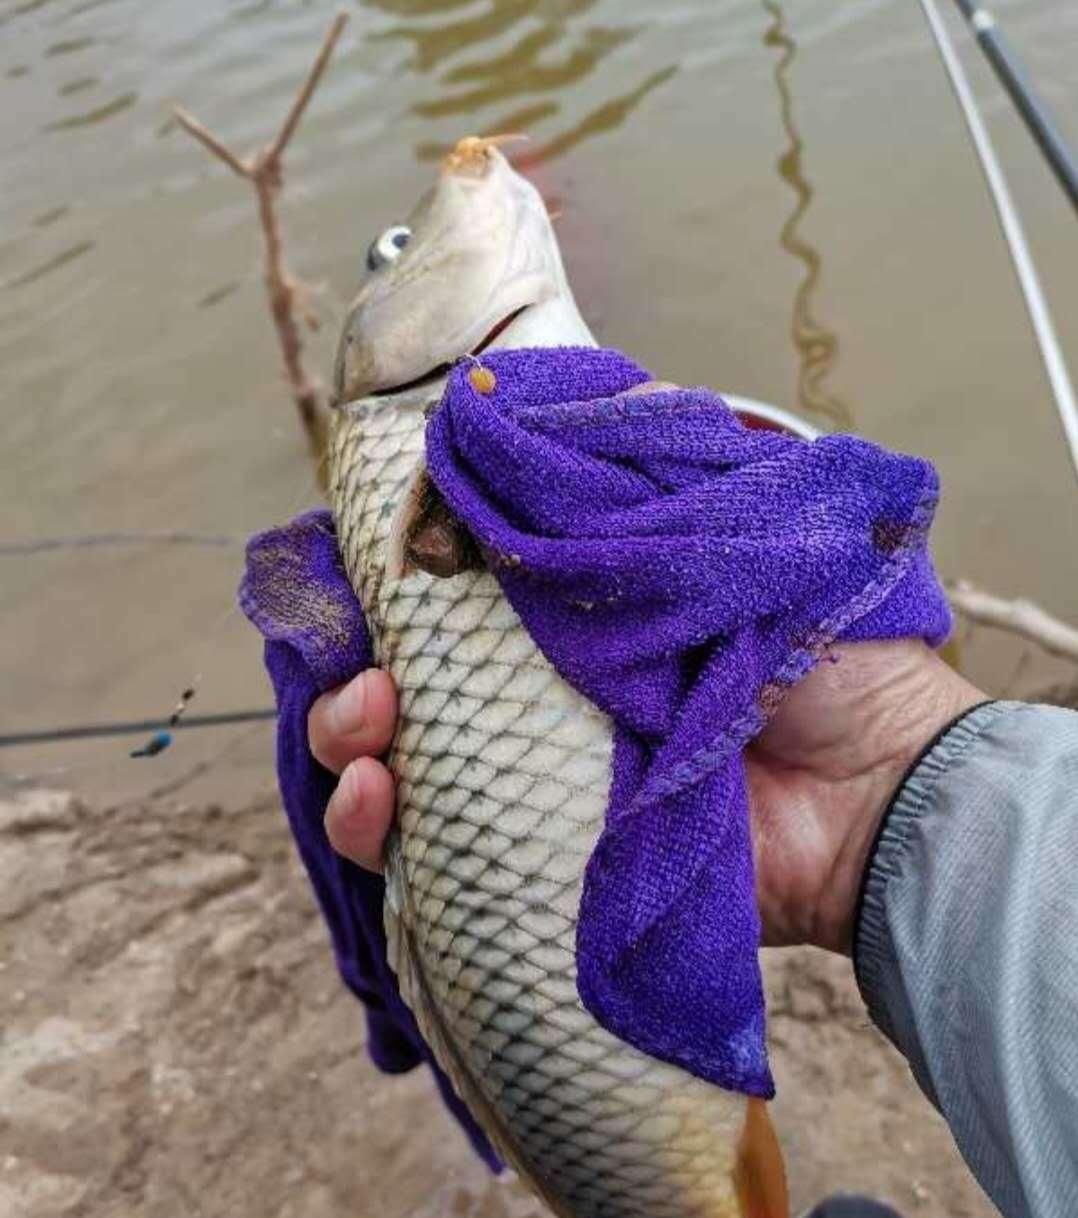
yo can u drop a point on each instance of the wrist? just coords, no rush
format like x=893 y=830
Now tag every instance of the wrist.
x=914 y=707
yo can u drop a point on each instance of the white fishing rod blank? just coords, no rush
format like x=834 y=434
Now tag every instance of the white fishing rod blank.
x=1043 y=328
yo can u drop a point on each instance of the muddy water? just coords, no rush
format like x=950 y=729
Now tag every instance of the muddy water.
x=776 y=201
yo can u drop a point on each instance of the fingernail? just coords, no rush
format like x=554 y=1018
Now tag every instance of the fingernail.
x=345 y=793
x=347 y=708
x=340 y=809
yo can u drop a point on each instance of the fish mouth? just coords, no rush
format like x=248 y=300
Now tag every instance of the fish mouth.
x=442 y=370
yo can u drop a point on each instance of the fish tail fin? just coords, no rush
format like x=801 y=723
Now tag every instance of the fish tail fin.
x=759 y=1174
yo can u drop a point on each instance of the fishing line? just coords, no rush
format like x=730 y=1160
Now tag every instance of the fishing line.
x=161 y=737
x=1051 y=353
x=134 y=727
x=200 y=767
x=160 y=730
x=88 y=541
x=113 y=765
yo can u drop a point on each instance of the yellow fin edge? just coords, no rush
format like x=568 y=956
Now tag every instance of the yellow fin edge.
x=759 y=1174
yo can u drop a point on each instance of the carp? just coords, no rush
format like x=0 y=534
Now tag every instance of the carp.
x=503 y=769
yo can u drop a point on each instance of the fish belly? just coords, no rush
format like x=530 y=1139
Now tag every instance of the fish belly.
x=503 y=775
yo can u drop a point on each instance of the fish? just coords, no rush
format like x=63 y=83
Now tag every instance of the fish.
x=503 y=769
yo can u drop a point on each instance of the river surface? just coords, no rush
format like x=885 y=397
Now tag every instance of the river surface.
x=777 y=201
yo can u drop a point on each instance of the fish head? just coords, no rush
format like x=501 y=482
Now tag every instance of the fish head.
x=475 y=266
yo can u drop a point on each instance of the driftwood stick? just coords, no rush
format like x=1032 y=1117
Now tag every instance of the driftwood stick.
x=285 y=294
x=1021 y=617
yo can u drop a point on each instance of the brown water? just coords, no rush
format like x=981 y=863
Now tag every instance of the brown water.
x=778 y=201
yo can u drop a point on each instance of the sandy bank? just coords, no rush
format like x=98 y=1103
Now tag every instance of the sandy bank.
x=175 y=1042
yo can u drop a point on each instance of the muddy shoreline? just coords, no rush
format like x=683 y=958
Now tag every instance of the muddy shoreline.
x=176 y=1042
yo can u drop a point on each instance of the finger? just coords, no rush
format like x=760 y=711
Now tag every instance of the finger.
x=360 y=812
x=356 y=720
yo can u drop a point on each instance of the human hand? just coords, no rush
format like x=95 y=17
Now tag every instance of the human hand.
x=823 y=771
x=820 y=776
x=347 y=730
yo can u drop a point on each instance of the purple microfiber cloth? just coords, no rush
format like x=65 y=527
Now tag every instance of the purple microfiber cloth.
x=296 y=593
x=681 y=571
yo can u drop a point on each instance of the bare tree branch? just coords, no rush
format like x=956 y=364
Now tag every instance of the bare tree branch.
x=285 y=294
x=291 y=121
x=208 y=140
x=1021 y=617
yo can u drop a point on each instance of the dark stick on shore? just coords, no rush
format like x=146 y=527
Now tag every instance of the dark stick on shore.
x=1020 y=617
x=286 y=295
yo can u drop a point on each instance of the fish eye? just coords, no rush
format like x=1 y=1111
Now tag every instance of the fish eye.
x=387 y=247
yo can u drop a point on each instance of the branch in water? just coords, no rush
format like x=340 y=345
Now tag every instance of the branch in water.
x=1020 y=617
x=291 y=122
x=210 y=142
x=286 y=295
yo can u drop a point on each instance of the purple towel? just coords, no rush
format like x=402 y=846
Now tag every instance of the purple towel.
x=297 y=594
x=681 y=571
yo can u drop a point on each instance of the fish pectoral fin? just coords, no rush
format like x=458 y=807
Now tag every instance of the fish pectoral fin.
x=759 y=1173
x=426 y=536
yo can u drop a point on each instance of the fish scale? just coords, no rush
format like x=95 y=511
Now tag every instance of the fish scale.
x=503 y=776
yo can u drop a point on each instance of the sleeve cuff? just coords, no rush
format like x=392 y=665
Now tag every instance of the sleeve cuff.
x=874 y=961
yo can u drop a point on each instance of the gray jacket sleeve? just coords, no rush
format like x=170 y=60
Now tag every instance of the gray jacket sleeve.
x=967 y=946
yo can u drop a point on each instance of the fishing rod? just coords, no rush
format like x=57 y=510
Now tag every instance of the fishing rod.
x=1043 y=328
x=1012 y=76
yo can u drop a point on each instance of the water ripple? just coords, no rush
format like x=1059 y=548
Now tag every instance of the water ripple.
x=434 y=44
x=816 y=345
x=51 y=216
x=86 y=6
x=533 y=53
x=517 y=72
x=512 y=122
x=98 y=115
x=217 y=295
x=27 y=6
x=68 y=46
x=53 y=264
x=418 y=8
x=78 y=85
x=606 y=117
